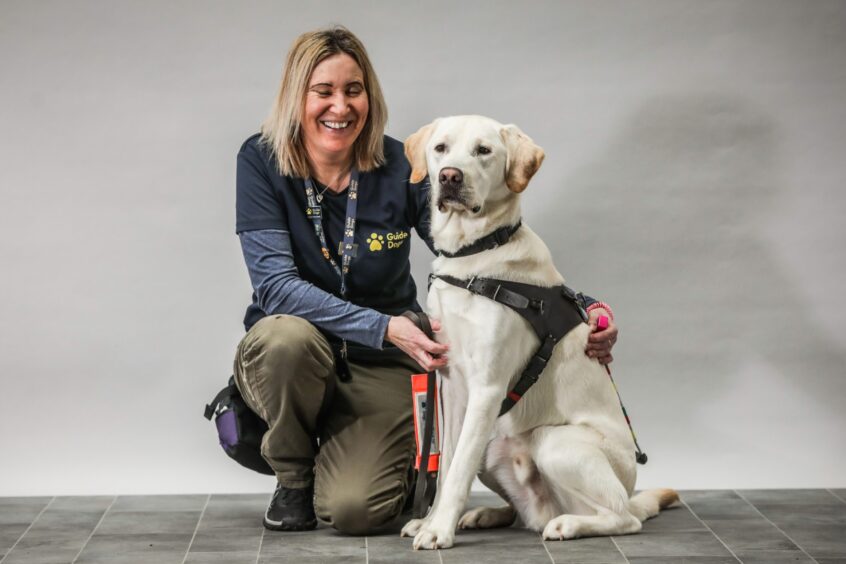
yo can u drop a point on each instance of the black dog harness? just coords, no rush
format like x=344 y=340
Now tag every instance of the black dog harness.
x=552 y=313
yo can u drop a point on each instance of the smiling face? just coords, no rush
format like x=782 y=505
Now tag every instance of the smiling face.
x=335 y=109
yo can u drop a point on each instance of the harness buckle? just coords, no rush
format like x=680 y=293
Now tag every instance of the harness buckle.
x=538 y=305
x=580 y=303
x=470 y=283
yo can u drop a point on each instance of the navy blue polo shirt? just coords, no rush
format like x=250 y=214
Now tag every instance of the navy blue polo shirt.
x=389 y=206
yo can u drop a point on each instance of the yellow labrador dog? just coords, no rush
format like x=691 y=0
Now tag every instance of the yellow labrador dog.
x=563 y=458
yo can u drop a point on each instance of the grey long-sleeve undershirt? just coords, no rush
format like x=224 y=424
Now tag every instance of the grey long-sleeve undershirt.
x=279 y=289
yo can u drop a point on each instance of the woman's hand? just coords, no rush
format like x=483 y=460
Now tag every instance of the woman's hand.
x=600 y=342
x=412 y=341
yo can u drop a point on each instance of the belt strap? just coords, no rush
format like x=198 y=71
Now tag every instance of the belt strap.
x=224 y=393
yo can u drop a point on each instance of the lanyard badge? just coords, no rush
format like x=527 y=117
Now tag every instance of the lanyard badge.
x=346 y=248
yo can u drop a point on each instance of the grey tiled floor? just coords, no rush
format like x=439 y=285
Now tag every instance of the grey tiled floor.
x=711 y=527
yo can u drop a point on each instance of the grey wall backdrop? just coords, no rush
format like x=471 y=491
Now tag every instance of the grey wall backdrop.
x=694 y=179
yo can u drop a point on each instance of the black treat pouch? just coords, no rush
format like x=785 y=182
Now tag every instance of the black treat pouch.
x=239 y=429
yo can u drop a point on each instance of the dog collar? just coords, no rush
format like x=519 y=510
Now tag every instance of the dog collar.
x=490 y=241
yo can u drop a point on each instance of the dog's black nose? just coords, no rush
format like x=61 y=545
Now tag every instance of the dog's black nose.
x=451 y=177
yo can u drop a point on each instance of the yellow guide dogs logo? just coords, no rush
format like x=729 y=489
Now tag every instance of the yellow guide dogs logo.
x=394 y=240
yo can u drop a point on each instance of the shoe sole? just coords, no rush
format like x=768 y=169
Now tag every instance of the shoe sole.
x=282 y=526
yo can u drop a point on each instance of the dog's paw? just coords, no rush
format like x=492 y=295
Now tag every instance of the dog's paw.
x=430 y=538
x=487 y=518
x=412 y=527
x=562 y=527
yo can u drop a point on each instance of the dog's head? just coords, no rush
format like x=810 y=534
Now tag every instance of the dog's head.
x=472 y=160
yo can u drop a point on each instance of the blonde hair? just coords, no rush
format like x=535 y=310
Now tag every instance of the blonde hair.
x=282 y=130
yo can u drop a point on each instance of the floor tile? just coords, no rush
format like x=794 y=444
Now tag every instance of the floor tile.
x=44 y=551
x=391 y=548
x=9 y=534
x=721 y=504
x=804 y=513
x=823 y=541
x=159 y=529
x=21 y=510
x=234 y=511
x=135 y=549
x=671 y=544
x=309 y=559
x=774 y=557
x=159 y=503
x=18 y=503
x=221 y=558
x=676 y=519
x=684 y=560
x=599 y=550
x=65 y=524
x=149 y=522
x=815 y=496
x=227 y=540
x=74 y=504
x=750 y=535
x=495 y=546
x=323 y=543
x=57 y=536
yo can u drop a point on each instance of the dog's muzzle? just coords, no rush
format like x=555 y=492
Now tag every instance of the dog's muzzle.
x=451 y=183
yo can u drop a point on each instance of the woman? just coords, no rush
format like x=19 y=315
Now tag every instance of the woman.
x=324 y=213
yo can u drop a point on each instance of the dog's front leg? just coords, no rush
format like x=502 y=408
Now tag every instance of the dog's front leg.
x=438 y=531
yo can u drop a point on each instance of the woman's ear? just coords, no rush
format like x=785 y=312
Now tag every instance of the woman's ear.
x=524 y=158
x=415 y=151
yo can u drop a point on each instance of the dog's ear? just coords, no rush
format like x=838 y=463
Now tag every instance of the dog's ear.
x=524 y=158
x=415 y=151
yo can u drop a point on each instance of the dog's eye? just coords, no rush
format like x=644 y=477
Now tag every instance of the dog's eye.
x=482 y=150
x=440 y=148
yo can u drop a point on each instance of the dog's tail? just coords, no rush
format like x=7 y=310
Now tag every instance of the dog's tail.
x=648 y=503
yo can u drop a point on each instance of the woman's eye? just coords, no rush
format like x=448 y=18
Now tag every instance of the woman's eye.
x=482 y=150
x=323 y=93
x=440 y=148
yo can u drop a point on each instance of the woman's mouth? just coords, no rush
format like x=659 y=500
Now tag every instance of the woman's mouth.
x=335 y=125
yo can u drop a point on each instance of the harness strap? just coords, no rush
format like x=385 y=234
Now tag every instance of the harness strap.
x=489 y=288
x=490 y=241
x=427 y=484
x=530 y=375
x=552 y=313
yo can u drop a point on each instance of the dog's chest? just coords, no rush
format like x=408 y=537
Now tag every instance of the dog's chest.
x=485 y=337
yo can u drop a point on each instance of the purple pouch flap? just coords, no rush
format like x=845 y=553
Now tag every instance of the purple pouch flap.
x=227 y=429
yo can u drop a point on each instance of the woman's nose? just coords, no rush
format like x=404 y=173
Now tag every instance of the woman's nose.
x=340 y=102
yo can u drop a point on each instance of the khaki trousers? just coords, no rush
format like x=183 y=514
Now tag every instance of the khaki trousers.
x=353 y=440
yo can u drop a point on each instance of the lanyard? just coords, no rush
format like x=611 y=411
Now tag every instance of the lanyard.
x=347 y=248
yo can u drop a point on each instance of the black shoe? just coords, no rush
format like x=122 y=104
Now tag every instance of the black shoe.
x=291 y=509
